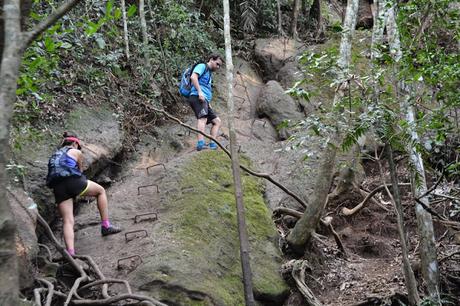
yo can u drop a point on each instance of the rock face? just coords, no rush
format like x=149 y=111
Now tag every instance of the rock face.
x=189 y=256
x=102 y=139
x=272 y=54
x=202 y=262
x=279 y=107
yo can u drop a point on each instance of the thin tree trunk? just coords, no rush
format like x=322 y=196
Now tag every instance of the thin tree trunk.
x=280 y=18
x=315 y=14
x=9 y=73
x=125 y=29
x=380 y=18
x=305 y=227
x=428 y=256
x=145 y=40
x=409 y=277
x=242 y=230
x=295 y=18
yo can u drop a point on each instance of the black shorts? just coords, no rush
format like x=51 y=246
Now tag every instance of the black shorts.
x=69 y=187
x=201 y=110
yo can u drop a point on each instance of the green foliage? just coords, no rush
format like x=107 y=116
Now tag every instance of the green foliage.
x=185 y=37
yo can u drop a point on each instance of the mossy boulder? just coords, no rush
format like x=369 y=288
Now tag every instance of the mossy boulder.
x=198 y=263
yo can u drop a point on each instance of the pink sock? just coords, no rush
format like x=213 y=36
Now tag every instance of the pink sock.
x=71 y=252
x=105 y=223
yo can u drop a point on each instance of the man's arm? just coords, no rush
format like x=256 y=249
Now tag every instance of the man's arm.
x=194 y=78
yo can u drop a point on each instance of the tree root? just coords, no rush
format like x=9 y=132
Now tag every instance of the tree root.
x=350 y=212
x=297 y=270
x=73 y=292
x=83 y=278
x=326 y=223
x=49 y=296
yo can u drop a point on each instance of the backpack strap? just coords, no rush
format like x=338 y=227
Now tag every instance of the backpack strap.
x=206 y=69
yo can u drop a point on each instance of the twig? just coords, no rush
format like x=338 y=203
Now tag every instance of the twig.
x=449 y=256
x=434 y=186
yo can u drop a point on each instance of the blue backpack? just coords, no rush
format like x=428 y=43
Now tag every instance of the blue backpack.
x=185 y=86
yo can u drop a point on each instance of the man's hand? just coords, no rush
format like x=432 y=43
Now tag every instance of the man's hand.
x=201 y=97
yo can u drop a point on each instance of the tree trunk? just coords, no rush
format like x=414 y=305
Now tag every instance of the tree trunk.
x=242 y=229
x=429 y=263
x=125 y=29
x=295 y=17
x=409 y=277
x=280 y=18
x=305 y=227
x=315 y=17
x=9 y=73
x=380 y=18
x=145 y=40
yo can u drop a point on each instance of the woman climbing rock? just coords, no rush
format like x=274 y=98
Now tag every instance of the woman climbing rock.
x=66 y=179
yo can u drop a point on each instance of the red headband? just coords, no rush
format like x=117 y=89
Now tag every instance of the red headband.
x=73 y=139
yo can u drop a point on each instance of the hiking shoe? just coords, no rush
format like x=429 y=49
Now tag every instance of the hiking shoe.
x=213 y=146
x=200 y=145
x=105 y=231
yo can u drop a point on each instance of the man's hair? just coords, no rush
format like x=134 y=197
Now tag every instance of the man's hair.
x=215 y=57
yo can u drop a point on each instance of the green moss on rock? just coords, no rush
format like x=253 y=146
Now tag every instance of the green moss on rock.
x=206 y=235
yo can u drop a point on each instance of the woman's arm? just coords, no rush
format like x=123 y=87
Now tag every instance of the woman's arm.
x=78 y=156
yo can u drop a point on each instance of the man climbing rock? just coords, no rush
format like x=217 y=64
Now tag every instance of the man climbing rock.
x=66 y=179
x=200 y=99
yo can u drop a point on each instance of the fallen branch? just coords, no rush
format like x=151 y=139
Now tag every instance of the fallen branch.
x=352 y=211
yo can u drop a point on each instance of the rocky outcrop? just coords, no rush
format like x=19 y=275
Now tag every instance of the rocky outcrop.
x=190 y=254
x=272 y=54
x=102 y=139
x=279 y=107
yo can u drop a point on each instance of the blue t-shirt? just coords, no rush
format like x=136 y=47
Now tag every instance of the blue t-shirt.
x=205 y=82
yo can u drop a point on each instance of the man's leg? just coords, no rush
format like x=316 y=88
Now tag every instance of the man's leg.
x=216 y=123
x=201 y=126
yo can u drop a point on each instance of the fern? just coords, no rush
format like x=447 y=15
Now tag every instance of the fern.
x=249 y=9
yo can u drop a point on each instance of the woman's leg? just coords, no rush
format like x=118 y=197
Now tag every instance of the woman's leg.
x=96 y=190
x=66 y=210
